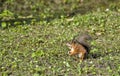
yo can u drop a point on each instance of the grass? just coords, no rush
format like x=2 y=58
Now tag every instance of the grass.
x=39 y=49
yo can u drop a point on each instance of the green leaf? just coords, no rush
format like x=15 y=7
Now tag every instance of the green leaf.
x=36 y=74
x=4 y=25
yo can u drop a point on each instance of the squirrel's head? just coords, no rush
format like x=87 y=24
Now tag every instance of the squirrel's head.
x=72 y=47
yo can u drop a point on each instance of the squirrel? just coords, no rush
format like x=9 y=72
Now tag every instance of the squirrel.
x=80 y=46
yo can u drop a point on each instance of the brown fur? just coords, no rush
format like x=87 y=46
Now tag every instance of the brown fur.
x=77 y=49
